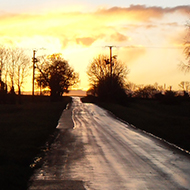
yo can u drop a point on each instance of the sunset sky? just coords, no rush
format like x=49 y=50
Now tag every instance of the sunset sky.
x=148 y=35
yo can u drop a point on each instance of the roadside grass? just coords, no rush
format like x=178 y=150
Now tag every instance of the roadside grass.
x=24 y=130
x=170 y=122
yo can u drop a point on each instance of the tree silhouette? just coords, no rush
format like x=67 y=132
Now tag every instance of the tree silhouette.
x=14 y=67
x=147 y=91
x=3 y=60
x=186 y=66
x=20 y=64
x=56 y=74
x=107 y=84
x=184 y=85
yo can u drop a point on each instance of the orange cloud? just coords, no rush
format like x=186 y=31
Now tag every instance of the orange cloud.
x=143 y=13
x=138 y=27
x=126 y=26
x=114 y=24
x=118 y=37
x=86 y=41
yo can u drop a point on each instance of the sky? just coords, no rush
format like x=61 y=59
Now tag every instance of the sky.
x=147 y=35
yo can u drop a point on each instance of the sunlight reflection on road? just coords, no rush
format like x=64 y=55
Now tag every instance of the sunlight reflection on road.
x=120 y=157
x=103 y=153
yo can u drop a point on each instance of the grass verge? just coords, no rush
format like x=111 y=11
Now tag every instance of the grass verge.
x=170 y=122
x=24 y=129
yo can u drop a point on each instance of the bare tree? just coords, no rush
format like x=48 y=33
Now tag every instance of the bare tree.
x=106 y=85
x=21 y=69
x=186 y=66
x=18 y=68
x=3 y=60
x=184 y=85
x=3 y=70
x=99 y=69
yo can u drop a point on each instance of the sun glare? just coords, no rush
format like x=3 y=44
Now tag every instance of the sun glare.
x=137 y=32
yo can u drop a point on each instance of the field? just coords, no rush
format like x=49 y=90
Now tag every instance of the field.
x=24 y=129
x=170 y=122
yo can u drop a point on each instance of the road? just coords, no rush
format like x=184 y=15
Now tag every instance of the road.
x=103 y=153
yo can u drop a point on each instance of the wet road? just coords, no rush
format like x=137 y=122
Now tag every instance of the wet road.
x=102 y=153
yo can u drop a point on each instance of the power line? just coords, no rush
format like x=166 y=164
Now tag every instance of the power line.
x=149 y=47
x=141 y=47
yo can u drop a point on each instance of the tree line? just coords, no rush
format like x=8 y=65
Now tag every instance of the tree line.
x=14 y=68
x=109 y=83
x=108 y=78
x=53 y=73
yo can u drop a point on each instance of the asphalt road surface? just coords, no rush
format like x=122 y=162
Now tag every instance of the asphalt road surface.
x=99 y=152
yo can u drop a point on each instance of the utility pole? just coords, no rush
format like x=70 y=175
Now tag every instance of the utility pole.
x=34 y=60
x=110 y=61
